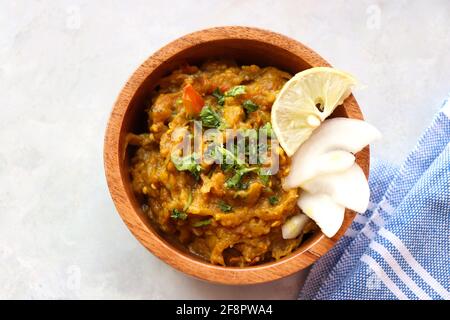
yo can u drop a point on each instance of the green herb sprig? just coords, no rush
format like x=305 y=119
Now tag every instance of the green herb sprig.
x=210 y=118
x=250 y=106
x=219 y=96
x=273 y=200
x=188 y=163
x=235 y=180
x=202 y=223
x=225 y=207
x=178 y=215
x=233 y=92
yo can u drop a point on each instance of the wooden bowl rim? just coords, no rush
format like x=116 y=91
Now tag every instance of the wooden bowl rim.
x=181 y=261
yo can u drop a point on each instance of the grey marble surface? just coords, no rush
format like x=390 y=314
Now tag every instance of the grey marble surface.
x=62 y=63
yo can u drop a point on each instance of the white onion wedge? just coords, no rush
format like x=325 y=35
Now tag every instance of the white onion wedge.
x=327 y=214
x=325 y=151
x=348 y=188
x=335 y=161
x=292 y=228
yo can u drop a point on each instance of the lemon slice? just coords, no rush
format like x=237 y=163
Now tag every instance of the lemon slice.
x=305 y=101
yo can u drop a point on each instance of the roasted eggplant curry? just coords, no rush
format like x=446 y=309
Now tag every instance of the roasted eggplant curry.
x=230 y=212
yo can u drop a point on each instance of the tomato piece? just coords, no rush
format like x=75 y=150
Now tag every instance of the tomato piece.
x=224 y=88
x=192 y=100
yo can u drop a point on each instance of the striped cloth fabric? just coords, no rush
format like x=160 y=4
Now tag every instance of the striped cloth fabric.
x=400 y=247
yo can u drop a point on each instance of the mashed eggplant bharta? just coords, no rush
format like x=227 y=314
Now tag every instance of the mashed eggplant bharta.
x=230 y=213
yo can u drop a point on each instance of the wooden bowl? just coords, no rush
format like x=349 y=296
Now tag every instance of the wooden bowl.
x=247 y=46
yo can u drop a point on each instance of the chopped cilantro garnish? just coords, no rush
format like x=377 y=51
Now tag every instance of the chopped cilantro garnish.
x=235 y=91
x=264 y=176
x=210 y=118
x=202 y=223
x=235 y=180
x=220 y=96
x=273 y=200
x=225 y=207
x=189 y=201
x=188 y=163
x=227 y=158
x=250 y=106
x=178 y=215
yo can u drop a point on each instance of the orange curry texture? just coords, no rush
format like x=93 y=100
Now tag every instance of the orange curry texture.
x=233 y=226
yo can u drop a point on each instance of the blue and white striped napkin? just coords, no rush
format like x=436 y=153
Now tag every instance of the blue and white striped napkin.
x=400 y=247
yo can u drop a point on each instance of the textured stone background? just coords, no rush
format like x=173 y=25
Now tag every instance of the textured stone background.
x=62 y=63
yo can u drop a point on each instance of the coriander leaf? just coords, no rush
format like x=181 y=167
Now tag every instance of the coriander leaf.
x=250 y=106
x=178 y=215
x=235 y=180
x=226 y=166
x=210 y=118
x=228 y=158
x=273 y=200
x=188 y=163
x=264 y=176
x=202 y=223
x=225 y=207
x=220 y=96
x=189 y=201
x=235 y=91
x=217 y=93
